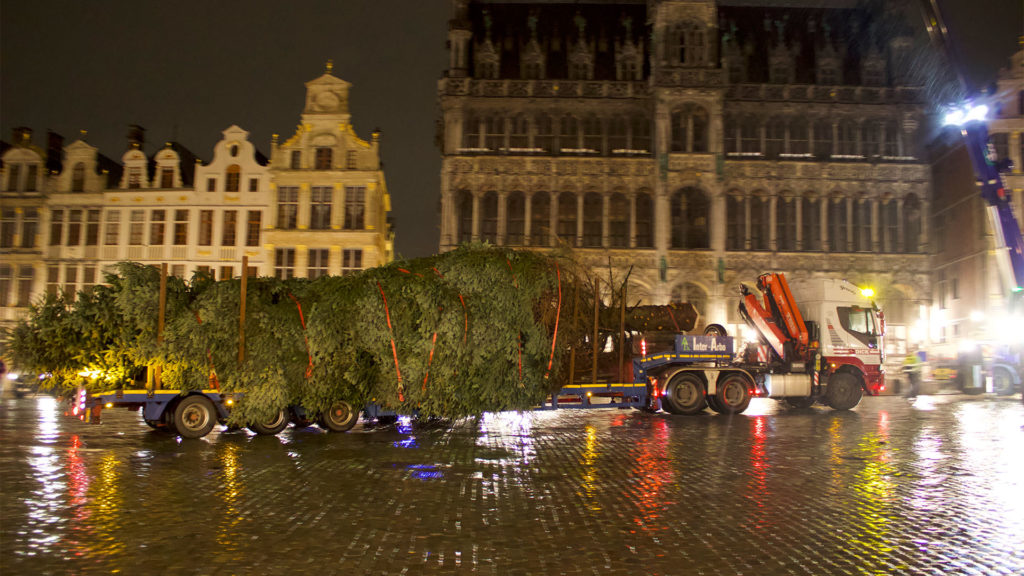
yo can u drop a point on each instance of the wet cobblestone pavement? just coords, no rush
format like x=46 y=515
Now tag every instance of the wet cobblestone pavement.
x=933 y=486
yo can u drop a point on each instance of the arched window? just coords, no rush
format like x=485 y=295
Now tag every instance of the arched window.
x=823 y=138
x=785 y=224
x=798 y=136
x=489 y=218
x=618 y=221
x=862 y=226
x=735 y=222
x=592 y=208
x=232 y=178
x=911 y=224
x=689 y=219
x=811 y=225
x=567 y=218
x=515 y=219
x=838 y=231
x=464 y=207
x=644 y=220
x=540 y=219
x=760 y=223
x=690 y=129
x=78 y=178
x=520 y=136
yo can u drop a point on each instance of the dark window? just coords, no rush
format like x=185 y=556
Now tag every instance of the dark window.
x=350 y=160
x=205 y=227
x=689 y=219
x=232 y=178
x=135 y=178
x=567 y=218
x=785 y=224
x=323 y=158
x=78 y=178
x=56 y=227
x=287 y=207
x=540 y=219
x=229 y=233
x=253 y=226
x=156 y=227
x=592 y=207
x=136 y=227
x=74 y=227
x=515 y=221
x=113 y=228
x=284 y=263
x=465 y=209
x=26 y=277
x=166 y=177
x=911 y=224
x=862 y=226
x=320 y=208
x=489 y=218
x=644 y=221
x=860 y=322
x=618 y=221
x=351 y=261
x=811 y=226
x=13 y=172
x=736 y=223
x=211 y=184
x=30 y=178
x=316 y=264
x=8 y=228
x=760 y=223
x=92 y=227
x=180 y=227
x=296 y=160
x=29 y=227
x=355 y=207
x=6 y=283
x=839 y=239
x=254 y=184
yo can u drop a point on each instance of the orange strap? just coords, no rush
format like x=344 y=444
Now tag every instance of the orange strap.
x=394 y=350
x=558 y=314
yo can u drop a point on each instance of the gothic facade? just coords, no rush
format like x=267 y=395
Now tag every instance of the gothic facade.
x=693 y=144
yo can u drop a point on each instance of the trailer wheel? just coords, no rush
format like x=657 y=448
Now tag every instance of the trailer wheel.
x=272 y=425
x=685 y=394
x=194 y=417
x=340 y=418
x=733 y=394
x=844 y=391
x=715 y=330
x=1002 y=382
x=800 y=403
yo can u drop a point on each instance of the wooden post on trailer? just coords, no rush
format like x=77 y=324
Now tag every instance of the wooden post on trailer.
x=622 y=328
x=597 y=304
x=575 y=321
x=241 y=311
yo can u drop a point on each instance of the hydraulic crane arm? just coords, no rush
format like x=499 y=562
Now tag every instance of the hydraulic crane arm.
x=779 y=321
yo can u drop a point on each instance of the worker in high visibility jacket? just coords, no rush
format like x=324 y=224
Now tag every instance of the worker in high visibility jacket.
x=912 y=368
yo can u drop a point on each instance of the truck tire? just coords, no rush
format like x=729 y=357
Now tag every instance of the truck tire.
x=272 y=425
x=340 y=418
x=844 y=391
x=733 y=394
x=713 y=404
x=685 y=394
x=194 y=417
x=1002 y=381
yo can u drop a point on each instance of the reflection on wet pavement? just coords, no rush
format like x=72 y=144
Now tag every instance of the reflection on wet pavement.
x=934 y=486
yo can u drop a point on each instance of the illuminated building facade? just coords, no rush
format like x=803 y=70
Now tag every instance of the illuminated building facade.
x=696 y=143
x=70 y=213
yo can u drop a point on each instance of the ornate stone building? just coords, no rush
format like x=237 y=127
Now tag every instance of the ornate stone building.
x=320 y=206
x=698 y=143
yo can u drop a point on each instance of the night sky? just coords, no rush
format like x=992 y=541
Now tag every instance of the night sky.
x=186 y=70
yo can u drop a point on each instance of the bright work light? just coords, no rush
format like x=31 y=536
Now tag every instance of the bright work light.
x=867 y=292
x=961 y=116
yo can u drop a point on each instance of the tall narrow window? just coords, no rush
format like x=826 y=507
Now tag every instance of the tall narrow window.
x=839 y=240
x=157 y=223
x=640 y=133
x=29 y=227
x=229 y=233
x=13 y=172
x=891 y=224
x=56 y=227
x=320 y=207
x=519 y=138
x=775 y=137
x=74 y=227
x=644 y=221
x=205 y=227
x=355 y=207
x=6 y=284
x=167 y=177
x=592 y=208
x=862 y=226
x=113 y=228
x=618 y=221
x=26 y=278
x=253 y=227
x=540 y=219
x=52 y=279
x=569 y=140
x=465 y=210
x=78 y=178
x=618 y=135
x=567 y=218
x=823 y=138
x=494 y=138
x=324 y=155
x=545 y=139
x=736 y=223
x=351 y=261
x=284 y=263
x=31 y=176
x=489 y=218
x=254 y=184
x=92 y=227
x=689 y=219
x=515 y=214
x=811 y=225
x=287 y=207
x=135 y=178
x=70 y=281
x=350 y=160
x=316 y=263
x=799 y=144
x=8 y=227
x=296 y=160
x=760 y=223
x=232 y=178
x=911 y=224
x=785 y=224
x=180 y=227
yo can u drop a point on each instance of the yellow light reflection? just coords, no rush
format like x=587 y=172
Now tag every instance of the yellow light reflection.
x=107 y=511
x=588 y=483
x=231 y=493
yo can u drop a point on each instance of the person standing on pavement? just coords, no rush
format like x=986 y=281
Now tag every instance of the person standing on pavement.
x=912 y=368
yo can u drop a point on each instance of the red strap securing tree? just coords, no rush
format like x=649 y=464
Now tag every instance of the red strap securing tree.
x=302 y=320
x=394 y=350
x=558 y=314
